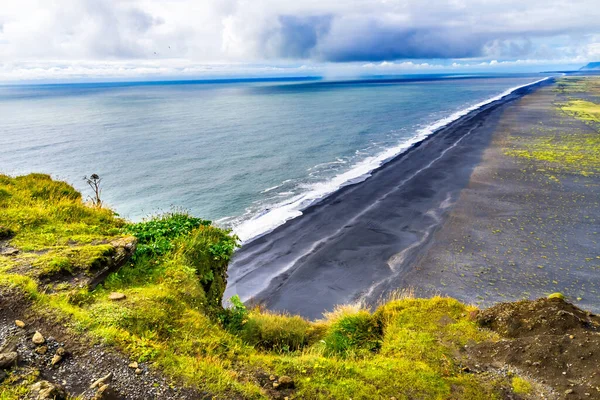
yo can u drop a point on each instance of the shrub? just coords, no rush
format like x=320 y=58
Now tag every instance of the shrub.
x=234 y=317
x=156 y=235
x=197 y=251
x=279 y=332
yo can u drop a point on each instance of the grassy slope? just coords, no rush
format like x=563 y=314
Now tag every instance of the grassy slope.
x=171 y=315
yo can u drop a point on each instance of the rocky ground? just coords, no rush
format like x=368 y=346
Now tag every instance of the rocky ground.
x=40 y=351
x=549 y=340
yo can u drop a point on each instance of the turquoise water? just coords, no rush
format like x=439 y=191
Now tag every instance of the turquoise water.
x=248 y=155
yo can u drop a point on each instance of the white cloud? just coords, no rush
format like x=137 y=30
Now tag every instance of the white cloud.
x=145 y=36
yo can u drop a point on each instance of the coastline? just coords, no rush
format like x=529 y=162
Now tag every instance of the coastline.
x=285 y=211
x=318 y=260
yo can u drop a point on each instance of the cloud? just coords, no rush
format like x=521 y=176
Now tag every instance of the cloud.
x=299 y=31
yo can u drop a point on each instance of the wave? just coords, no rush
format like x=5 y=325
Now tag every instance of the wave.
x=279 y=213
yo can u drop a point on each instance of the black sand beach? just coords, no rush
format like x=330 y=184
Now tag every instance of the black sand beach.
x=426 y=221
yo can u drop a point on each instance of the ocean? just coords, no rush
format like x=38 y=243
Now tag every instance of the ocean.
x=248 y=155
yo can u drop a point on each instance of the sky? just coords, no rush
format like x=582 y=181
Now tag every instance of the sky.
x=72 y=40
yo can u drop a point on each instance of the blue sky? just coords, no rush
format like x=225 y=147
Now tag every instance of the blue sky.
x=71 y=40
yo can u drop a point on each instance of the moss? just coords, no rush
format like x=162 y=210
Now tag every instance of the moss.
x=521 y=386
x=557 y=295
x=17 y=383
x=583 y=110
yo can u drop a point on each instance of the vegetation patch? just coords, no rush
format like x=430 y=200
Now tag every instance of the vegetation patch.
x=583 y=110
x=170 y=311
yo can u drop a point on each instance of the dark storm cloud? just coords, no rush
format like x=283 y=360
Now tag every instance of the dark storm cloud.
x=391 y=43
x=295 y=37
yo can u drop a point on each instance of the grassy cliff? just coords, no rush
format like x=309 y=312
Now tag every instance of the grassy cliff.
x=169 y=315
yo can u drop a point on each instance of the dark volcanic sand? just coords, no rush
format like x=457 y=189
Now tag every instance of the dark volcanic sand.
x=403 y=227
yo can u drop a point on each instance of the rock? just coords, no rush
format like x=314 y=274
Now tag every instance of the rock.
x=569 y=391
x=285 y=382
x=9 y=251
x=275 y=385
x=60 y=351
x=44 y=390
x=272 y=378
x=138 y=371
x=100 y=393
x=101 y=381
x=133 y=365
x=20 y=323
x=38 y=338
x=9 y=359
x=123 y=250
x=42 y=350
x=56 y=359
x=116 y=296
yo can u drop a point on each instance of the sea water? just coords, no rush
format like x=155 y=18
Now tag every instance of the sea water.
x=248 y=155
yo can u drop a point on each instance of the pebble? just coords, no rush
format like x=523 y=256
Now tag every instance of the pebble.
x=42 y=350
x=20 y=323
x=138 y=371
x=568 y=391
x=56 y=359
x=133 y=365
x=61 y=351
x=285 y=382
x=38 y=338
x=101 y=381
x=116 y=296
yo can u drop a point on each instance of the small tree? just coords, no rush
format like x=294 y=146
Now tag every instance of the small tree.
x=94 y=182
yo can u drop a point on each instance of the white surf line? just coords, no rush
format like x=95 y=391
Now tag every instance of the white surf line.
x=318 y=243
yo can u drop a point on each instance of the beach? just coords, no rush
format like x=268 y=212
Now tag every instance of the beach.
x=456 y=215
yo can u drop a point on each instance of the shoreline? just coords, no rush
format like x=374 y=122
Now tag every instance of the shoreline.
x=318 y=260
x=359 y=172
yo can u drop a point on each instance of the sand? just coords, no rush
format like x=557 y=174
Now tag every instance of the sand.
x=451 y=216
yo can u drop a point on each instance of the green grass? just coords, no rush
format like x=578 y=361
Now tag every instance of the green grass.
x=172 y=314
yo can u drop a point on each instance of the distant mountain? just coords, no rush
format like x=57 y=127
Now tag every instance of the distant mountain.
x=591 y=66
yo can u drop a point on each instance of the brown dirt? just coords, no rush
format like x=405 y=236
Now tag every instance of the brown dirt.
x=549 y=340
x=85 y=361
